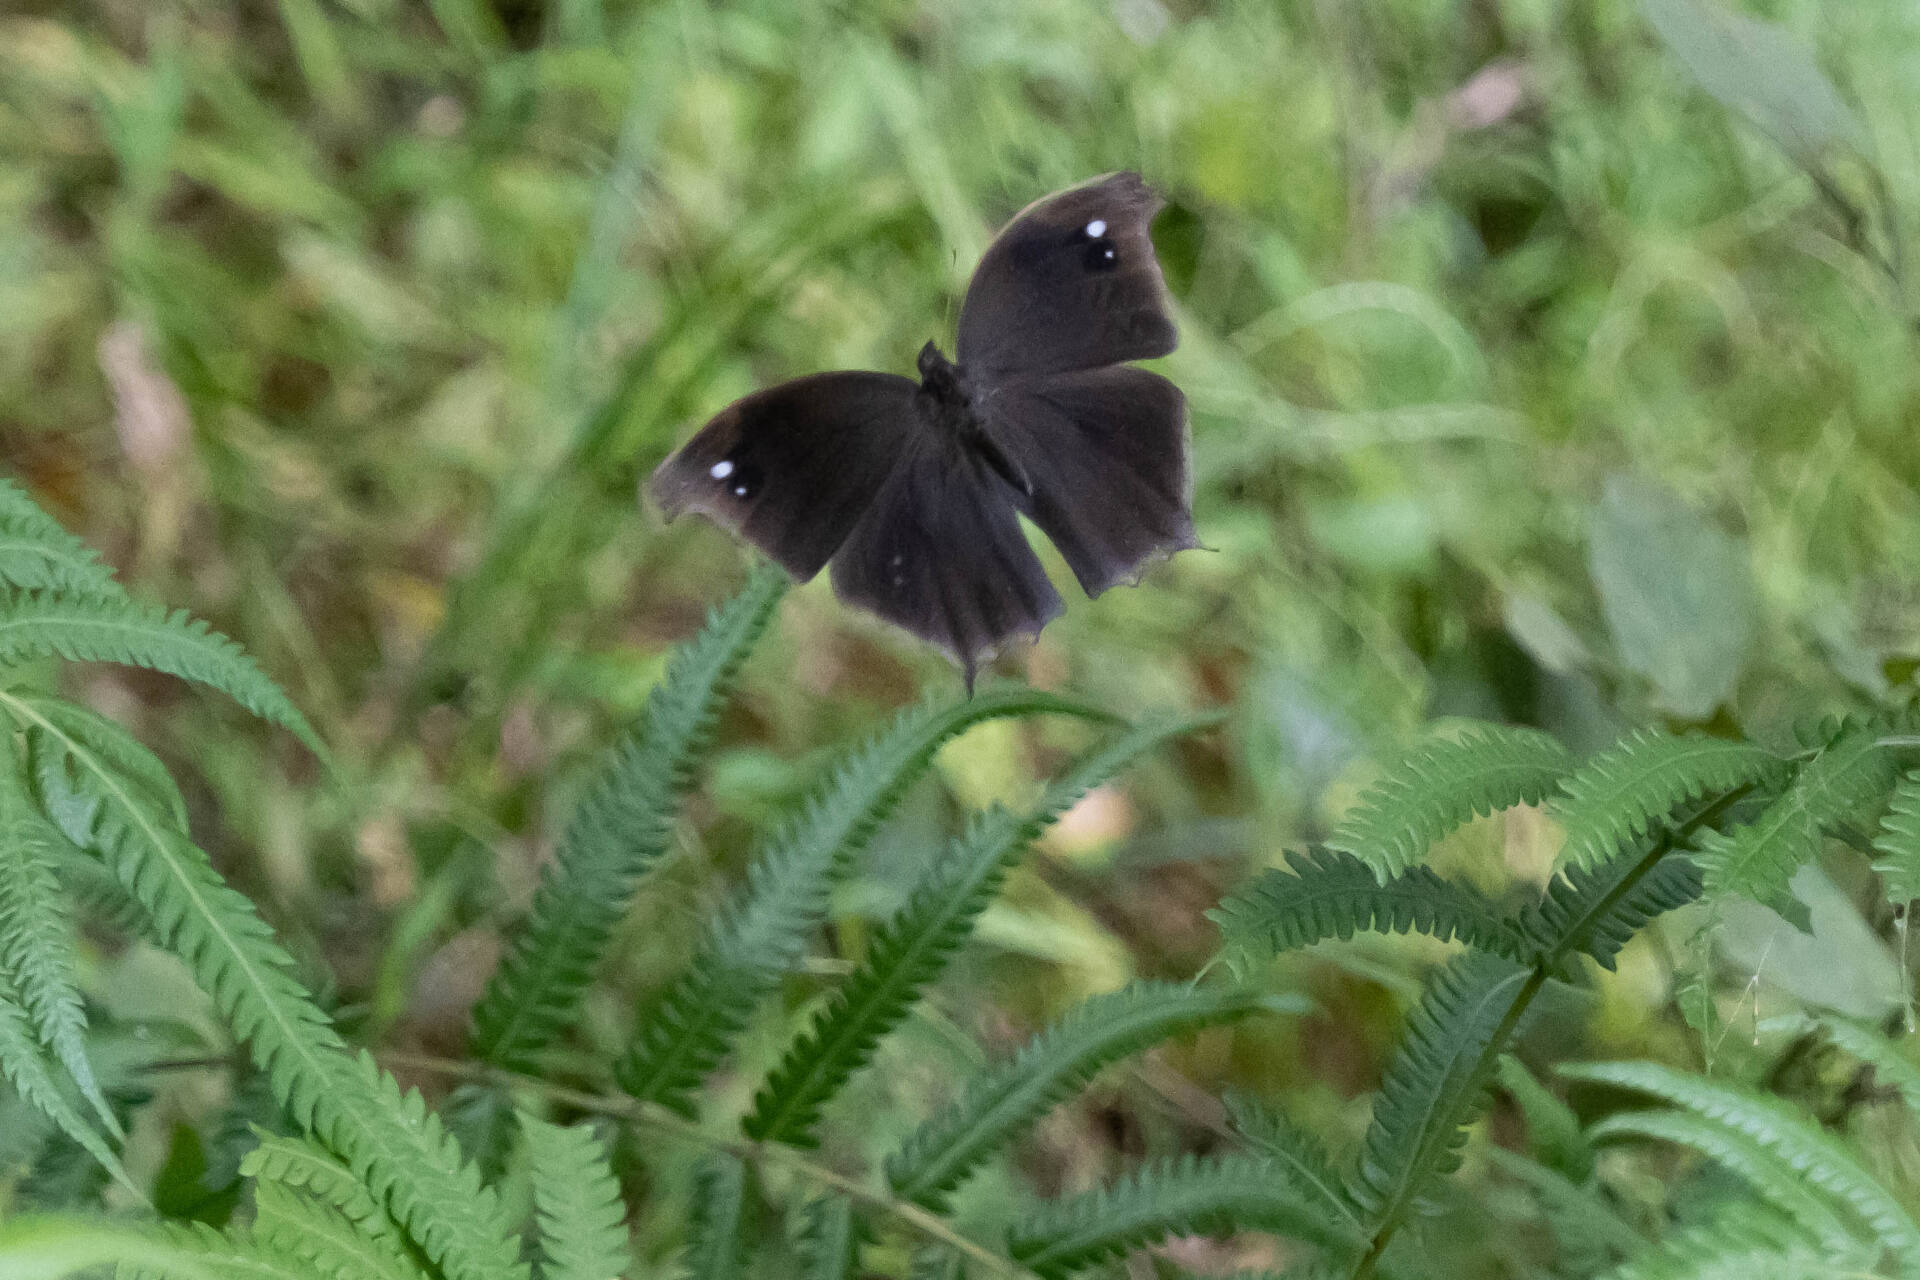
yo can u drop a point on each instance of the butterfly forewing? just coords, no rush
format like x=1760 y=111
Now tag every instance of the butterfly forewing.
x=793 y=468
x=1071 y=283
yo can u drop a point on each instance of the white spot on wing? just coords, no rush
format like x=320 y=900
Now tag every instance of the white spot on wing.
x=739 y=491
x=721 y=470
x=1096 y=228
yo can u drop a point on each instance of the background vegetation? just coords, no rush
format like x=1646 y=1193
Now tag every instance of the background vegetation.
x=1550 y=363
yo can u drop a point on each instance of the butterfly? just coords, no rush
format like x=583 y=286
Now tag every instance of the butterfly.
x=912 y=491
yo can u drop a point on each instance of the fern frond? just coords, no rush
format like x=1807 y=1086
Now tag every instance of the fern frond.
x=936 y=1262
x=1435 y=1082
x=1846 y=781
x=583 y=1220
x=110 y=629
x=1335 y=895
x=829 y=1239
x=788 y=888
x=1585 y=1223
x=1553 y=1130
x=1815 y=1155
x=26 y=1070
x=1742 y=1241
x=1867 y=1044
x=618 y=830
x=1442 y=785
x=37 y=554
x=147 y=779
x=1002 y=1100
x=716 y=1236
x=233 y=1254
x=1616 y=797
x=323 y=1238
x=1898 y=841
x=49 y=1247
x=37 y=931
x=1596 y=910
x=390 y=1142
x=1295 y=1151
x=913 y=948
x=301 y=1165
x=1770 y=1177
x=1190 y=1194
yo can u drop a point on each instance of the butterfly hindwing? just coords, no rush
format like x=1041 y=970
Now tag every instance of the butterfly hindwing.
x=793 y=468
x=1070 y=283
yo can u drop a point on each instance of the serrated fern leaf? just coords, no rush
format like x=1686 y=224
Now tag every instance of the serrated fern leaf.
x=618 y=830
x=301 y=1165
x=391 y=1142
x=36 y=554
x=1597 y=910
x=716 y=1232
x=1335 y=895
x=323 y=1238
x=1616 y=797
x=1847 y=781
x=1005 y=1098
x=1771 y=1177
x=913 y=948
x=23 y=1066
x=690 y=1025
x=1442 y=785
x=197 y=1250
x=1190 y=1194
x=1816 y=1156
x=1898 y=840
x=136 y=635
x=1296 y=1152
x=1435 y=1082
x=829 y=1239
x=37 y=930
x=147 y=778
x=1742 y=1241
x=583 y=1220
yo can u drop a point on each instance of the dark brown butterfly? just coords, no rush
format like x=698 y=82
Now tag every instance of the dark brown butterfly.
x=913 y=491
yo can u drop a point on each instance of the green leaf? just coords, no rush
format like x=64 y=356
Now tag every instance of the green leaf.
x=1296 y=1152
x=1442 y=785
x=583 y=1220
x=1761 y=71
x=23 y=1066
x=1744 y=1240
x=1846 y=782
x=830 y=1236
x=50 y=1248
x=912 y=949
x=302 y=1165
x=1004 y=1099
x=1595 y=911
x=1817 y=1157
x=325 y=1239
x=1582 y=1216
x=616 y=833
x=36 y=554
x=1189 y=1195
x=716 y=1239
x=1865 y=1042
x=1553 y=1130
x=1616 y=797
x=1677 y=593
x=1335 y=895
x=118 y=630
x=1898 y=842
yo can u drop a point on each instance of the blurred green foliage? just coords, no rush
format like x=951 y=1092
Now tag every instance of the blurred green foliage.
x=1549 y=362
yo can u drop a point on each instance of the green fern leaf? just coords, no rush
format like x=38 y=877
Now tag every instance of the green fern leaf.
x=323 y=1238
x=1004 y=1099
x=37 y=931
x=1335 y=895
x=36 y=554
x=1190 y=1194
x=1890 y=1065
x=1435 y=1082
x=1440 y=786
x=137 y=635
x=1815 y=1156
x=1615 y=798
x=1742 y=1241
x=1584 y=1221
x=53 y=771
x=1771 y=1177
x=26 y=1070
x=583 y=1220
x=301 y=1165
x=1296 y=1152
x=786 y=895
x=936 y=1262
x=50 y=1248
x=1846 y=781
x=1553 y=1130
x=617 y=832
x=913 y=948
x=716 y=1234
x=389 y=1141
x=1597 y=910
x=1898 y=841
x=829 y=1239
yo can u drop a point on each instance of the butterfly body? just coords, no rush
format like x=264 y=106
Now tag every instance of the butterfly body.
x=913 y=491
